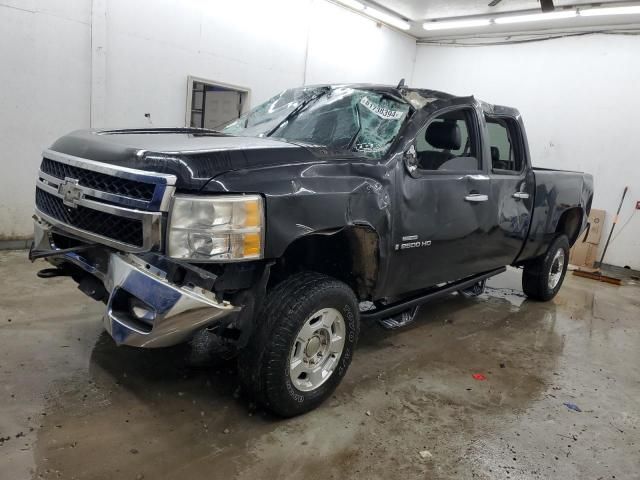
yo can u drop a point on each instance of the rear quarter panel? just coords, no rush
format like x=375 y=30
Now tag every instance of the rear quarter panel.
x=556 y=192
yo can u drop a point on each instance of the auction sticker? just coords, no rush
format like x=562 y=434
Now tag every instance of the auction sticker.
x=380 y=110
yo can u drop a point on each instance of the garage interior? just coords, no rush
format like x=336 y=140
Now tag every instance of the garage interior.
x=496 y=386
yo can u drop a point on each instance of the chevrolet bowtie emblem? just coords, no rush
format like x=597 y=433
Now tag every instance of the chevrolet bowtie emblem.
x=70 y=192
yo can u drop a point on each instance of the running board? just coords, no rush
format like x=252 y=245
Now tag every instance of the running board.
x=431 y=294
x=401 y=320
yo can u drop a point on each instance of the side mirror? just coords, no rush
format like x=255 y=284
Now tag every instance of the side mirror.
x=411 y=159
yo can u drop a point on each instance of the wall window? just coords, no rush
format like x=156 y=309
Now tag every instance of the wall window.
x=505 y=151
x=213 y=105
x=448 y=143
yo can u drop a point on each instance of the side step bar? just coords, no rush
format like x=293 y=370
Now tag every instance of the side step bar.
x=431 y=294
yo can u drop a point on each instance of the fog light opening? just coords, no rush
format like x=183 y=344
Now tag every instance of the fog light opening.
x=141 y=311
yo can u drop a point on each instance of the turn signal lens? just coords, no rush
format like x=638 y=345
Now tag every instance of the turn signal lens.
x=253 y=213
x=252 y=244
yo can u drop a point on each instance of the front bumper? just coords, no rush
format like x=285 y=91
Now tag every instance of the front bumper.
x=175 y=312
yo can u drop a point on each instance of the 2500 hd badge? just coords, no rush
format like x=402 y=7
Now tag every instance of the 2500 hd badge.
x=412 y=244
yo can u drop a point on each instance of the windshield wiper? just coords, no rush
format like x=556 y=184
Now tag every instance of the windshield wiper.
x=298 y=109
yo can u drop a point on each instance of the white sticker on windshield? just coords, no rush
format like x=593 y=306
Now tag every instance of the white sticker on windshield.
x=380 y=110
x=368 y=147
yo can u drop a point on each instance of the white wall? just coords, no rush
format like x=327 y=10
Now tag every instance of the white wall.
x=579 y=100
x=265 y=46
x=344 y=47
x=44 y=93
x=151 y=47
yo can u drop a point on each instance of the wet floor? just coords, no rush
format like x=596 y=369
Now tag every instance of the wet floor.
x=73 y=405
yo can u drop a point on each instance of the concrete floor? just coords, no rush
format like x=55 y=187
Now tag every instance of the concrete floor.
x=73 y=405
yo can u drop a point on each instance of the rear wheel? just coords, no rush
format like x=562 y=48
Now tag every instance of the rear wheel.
x=543 y=277
x=303 y=344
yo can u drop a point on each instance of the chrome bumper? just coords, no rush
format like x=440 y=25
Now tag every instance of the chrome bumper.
x=175 y=312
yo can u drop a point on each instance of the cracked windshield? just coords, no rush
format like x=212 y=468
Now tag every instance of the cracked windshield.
x=356 y=120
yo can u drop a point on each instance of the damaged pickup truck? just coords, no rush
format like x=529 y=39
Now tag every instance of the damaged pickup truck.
x=274 y=232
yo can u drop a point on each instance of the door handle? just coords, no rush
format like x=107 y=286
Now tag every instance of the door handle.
x=476 y=197
x=520 y=195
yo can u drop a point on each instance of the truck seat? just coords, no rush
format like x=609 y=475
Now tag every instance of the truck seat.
x=460 y=164
x=443 y=136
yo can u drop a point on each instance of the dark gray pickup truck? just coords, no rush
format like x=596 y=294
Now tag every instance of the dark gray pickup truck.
x=273 y=233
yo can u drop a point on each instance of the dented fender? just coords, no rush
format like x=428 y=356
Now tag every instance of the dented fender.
x=319 y=198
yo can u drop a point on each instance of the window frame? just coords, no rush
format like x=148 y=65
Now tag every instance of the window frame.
x=475 y=129
x=245 y=96
x=512 y=127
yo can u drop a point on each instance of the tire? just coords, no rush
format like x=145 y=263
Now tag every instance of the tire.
x=543 y=277
x=301 y=323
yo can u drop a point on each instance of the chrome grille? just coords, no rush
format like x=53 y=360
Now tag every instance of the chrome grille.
x=99 y=181
x=121 y=229
x=117 y=206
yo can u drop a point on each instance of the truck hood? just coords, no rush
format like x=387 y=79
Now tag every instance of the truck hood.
x=194 y=156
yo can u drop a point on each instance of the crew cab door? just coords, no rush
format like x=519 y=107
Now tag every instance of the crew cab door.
x=444 y=214
x=512 y=185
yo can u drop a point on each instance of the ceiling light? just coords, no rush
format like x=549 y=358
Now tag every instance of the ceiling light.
x=352 y=4
x=596 y=12
x=387 y=18
x=536 y=17
x=447 y=24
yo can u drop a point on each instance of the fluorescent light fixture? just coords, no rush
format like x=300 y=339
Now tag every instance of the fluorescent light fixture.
x=536 y=17
x=352 y=4
x=387 y=18
x=448 y=24
x=596 y=12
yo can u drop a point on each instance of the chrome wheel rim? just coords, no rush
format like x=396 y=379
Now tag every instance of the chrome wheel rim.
x=317 y=349
x=557 y=267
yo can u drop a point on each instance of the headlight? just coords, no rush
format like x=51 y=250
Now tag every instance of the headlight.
x=216 y=228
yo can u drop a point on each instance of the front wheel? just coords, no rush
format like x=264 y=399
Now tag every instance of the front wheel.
x=543 y=277
x=303 y=344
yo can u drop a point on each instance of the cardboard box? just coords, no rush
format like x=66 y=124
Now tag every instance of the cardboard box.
x=585 y=251
x=583 y=254
x=596 y=219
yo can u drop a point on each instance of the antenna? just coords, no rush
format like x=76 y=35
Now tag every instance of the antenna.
x=401 y=84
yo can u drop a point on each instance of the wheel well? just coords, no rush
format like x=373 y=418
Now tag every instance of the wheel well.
x=350 y=254
x=570 y=223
